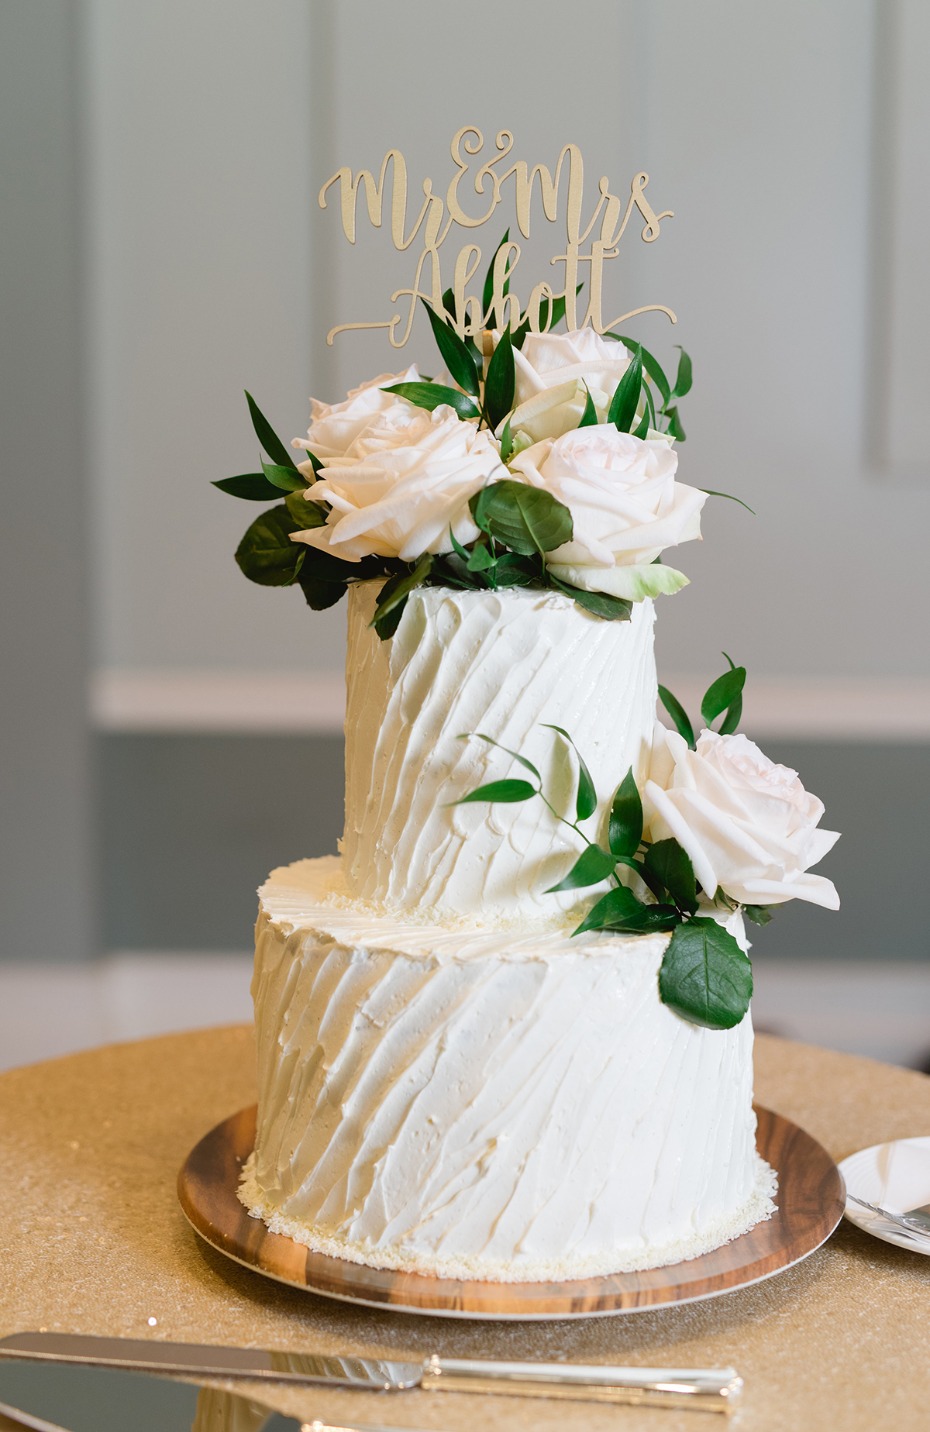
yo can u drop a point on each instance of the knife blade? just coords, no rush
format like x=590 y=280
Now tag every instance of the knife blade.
x=15 y=1419
x=42 y=1396
x=710 y=1389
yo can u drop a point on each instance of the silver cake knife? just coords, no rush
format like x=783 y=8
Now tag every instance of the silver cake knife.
x=710 y=1389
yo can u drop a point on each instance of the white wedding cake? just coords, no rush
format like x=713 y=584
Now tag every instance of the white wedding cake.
x=505 y=1033
x=449 y=1082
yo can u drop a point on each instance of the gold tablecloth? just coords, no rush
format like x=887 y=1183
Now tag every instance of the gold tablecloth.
x=93 y=1241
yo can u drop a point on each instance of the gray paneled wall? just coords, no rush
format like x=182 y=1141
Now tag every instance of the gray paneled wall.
x=212 y=268
x=164 y=249
x=46 y=867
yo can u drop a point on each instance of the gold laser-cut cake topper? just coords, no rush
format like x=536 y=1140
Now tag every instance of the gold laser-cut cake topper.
x=439 y=214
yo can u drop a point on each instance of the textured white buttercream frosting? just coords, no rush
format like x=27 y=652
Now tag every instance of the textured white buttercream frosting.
x=463 y=1101
x=501 y=663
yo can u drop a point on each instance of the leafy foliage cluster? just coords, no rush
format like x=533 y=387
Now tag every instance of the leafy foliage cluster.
x=704 y=976
x=517 y=524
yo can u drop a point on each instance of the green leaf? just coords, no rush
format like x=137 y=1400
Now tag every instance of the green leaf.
x=507 y=791
x=592 y=866
x=758 y=914
x=487 y=292
x=618 y=904
x=393 y=596
x=675 y=428
x=671 y=868
x=448 y=304
x=711 y=493
x=547 y=320
x=252 y=486
x=512 y=570
x=285 y=479
x=630 y=583
x=622 y=410
x=724 y=694
x=319 y=594
x=589 y=418
x=305 y=514
x=499 y=385
x=525 y=519
x=621 y=912
x=323 y=578
x=683 y=380
x=434 y=395
x=455 y=353
x=506 y=440
x=334 y=569
x=625 y=828
x=650 y=920
x=481 y=558
x=678 y=714
x=654 y=886
x=731 y=720
x=586 y=798
x=267 y=436
x=705 y=976
x=490 y=741
x=642 y=426
x=599 y=604
x=649 y=417
x=457 y=547
x=266 y=553
x=652 y=365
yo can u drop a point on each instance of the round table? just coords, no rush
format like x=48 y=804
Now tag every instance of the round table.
x=94 y=1241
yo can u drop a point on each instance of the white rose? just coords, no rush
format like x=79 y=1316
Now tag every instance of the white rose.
x=748 y=825
x=552 y=372
x=626 y=508
x=401 y=488
x=335 y=427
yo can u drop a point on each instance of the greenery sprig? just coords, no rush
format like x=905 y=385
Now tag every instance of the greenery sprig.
x=704 y=976
x=517 y=524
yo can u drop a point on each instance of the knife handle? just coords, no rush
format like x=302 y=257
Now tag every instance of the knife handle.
x=711 y=1389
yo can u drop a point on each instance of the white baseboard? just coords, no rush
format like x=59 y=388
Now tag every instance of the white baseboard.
x=877 y=1009
x=168 y=700
x=49 y=1010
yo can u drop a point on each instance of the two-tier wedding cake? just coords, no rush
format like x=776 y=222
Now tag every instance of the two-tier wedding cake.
x=504 y=1034
x=449 y=1082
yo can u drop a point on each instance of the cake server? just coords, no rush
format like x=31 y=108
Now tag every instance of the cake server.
x=711 y=1389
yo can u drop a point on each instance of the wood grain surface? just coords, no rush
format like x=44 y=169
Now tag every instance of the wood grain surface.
x=810 y=1205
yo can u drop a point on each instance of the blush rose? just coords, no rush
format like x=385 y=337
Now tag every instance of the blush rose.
x=626 y=508
x=403 y=486
x=748 y=825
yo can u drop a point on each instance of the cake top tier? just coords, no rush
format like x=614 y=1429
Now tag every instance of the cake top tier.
x=500 y=664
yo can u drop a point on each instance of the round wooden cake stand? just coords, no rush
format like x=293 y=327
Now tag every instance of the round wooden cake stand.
x=810 y=1198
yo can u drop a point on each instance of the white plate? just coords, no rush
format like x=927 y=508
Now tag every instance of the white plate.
x=895 y=1176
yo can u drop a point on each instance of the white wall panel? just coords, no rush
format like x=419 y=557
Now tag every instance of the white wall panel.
x=198 y=168
x=902 y=236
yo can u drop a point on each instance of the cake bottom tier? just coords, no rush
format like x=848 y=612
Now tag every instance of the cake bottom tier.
x=509 y=1104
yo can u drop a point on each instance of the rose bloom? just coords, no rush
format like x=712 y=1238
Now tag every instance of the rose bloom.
x=335 y=427
x=403 y=486
x=748 y=825
x=625 y=503
x=552 y=372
